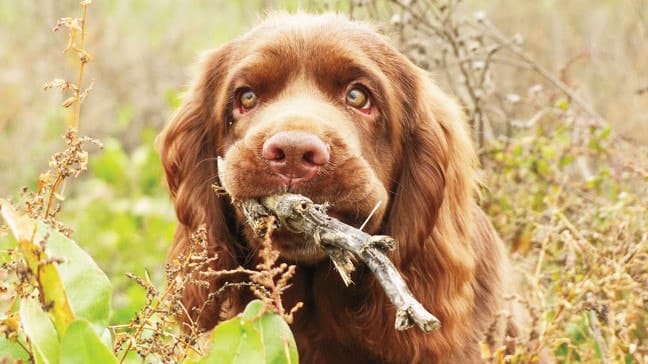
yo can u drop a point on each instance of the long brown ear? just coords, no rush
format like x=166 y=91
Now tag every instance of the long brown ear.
x=432 y=208
x=188 y=149
x=437 y=180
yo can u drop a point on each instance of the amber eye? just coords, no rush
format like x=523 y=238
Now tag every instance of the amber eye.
x=248 y=99
x=358 y=98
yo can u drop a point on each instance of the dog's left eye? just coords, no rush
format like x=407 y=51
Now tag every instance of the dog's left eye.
x=358 y=98
x=248 y=100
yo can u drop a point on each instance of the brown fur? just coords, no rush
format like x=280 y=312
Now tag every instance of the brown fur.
x=412 y=152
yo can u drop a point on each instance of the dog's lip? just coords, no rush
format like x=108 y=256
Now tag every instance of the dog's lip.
x=294 y=246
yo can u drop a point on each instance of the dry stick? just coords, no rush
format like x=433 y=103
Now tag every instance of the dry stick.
x=343 y=243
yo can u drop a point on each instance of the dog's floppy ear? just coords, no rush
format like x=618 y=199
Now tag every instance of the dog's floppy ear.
x=437 y=178
x=432 y=206
x=192 y=134
x=189 y=148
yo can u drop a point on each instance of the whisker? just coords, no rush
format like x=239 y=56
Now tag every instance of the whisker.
x=210 y=159
x=373 y=211
x=213 y=178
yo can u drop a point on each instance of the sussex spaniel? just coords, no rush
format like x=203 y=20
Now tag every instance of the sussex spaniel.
x=325 y=107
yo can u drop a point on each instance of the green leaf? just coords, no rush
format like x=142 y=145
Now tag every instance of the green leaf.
x=40 y=331
x=9 y=348
x=256 y=336
x=235 y=342
x=605 y=133
x=88 y=288
x=81 y=344
x=74 y=288
x=278 y=342
x=566 y=160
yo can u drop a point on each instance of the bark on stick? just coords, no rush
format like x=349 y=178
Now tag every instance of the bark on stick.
x=344 y=244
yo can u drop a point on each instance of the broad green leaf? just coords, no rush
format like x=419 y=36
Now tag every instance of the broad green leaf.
x=235 y=342
x=256 y=336
x=40 y=331
x=87 y=286
x=278 y=341
x=82 y=345
x=74 y=287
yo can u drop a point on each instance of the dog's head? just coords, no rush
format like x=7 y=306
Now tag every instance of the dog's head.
x=324 y=107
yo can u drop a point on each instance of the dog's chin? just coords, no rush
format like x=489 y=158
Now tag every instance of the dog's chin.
x=297 y=248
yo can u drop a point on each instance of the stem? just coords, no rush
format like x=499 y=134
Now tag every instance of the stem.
x=55 y=186
x=154 y=306
x=83 y=60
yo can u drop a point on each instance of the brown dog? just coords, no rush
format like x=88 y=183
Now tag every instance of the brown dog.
x=325 y=107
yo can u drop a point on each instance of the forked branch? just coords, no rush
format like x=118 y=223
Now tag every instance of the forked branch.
x=343 y=244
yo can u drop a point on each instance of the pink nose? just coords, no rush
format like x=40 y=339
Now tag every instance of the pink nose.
x=295 y=155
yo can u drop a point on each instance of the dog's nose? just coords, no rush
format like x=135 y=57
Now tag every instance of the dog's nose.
x=295 y=155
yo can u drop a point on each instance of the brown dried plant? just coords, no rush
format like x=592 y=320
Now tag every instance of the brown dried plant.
x=469 y=56
x=21 y=268
x=155 y=332
x=45 y=203
x=269 y=281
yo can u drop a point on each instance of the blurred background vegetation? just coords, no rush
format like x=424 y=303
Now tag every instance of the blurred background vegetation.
x=143 y=50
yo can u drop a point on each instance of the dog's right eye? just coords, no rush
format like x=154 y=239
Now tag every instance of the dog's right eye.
x=357 y=97
x=248 y=100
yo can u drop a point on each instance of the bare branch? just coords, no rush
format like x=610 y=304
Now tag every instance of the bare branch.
x=344 y=244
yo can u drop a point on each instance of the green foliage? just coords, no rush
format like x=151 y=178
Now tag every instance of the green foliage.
x=577 y=231
x=11 y=349
x=81 y=345
x=86 y=286
x=256 y=336
x=78 y=282
x=127 y=220
x=40 y=331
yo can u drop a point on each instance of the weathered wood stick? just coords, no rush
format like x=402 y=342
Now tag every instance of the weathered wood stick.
x=344 y=243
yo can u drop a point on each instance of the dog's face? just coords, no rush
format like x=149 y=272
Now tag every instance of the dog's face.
x=305 y=113
x=324 y=107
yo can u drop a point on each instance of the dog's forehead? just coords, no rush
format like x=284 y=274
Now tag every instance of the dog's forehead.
x=307 y=23
x=322 y=46
x=311 y=33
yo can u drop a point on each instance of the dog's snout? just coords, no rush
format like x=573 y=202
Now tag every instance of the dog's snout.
x=295 y=155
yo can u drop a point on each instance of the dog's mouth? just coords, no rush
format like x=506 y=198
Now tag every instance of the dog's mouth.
x=349 y=200
x=303 y=248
